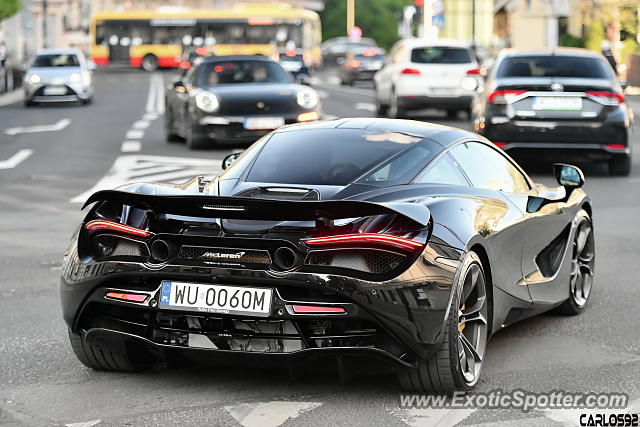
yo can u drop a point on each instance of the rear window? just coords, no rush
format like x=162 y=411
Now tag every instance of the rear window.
x=55 y=60
x=337 y=157
x=554 y=66
x=440 y=55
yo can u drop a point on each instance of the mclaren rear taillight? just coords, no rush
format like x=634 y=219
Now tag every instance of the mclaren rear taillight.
x=365 y=239
x=504 y=96
x=103 y=225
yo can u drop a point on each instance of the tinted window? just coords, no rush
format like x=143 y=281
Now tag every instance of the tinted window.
x=554 y=66
x=443 y=171
x=327 y=157
x=440 y=55
x=402 y=168
x=66 y=60
x=487 y=168
x=244 y=71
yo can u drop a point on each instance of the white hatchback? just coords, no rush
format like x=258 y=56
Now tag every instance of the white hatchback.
x=427 y=74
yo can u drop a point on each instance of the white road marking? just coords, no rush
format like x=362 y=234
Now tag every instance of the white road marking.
x=150 y=116
x=16 y=159
x=151 y=97
x=84 y=424
x=130 y=146
x=521 y=422
x=365 y=106
x=141 y=124
x=334 y=80
x=419 y=417
x=135 y=134
x=11 y=97
x=40 y=128
x=269 y=414
x=138 y=167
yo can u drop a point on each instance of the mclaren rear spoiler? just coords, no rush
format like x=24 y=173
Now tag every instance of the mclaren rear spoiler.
x=260 y=209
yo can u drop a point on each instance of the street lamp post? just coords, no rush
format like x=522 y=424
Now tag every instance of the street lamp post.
x=351 y=15
x=44 y=23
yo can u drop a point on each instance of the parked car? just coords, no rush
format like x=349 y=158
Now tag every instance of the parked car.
x=422 y=74
x=564 y=104
x=334 y=50
x=59 y=75
x=361 y=65
x=376 y=242
x=235 y=98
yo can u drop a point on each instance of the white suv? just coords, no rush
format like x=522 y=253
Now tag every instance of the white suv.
x=427 y=74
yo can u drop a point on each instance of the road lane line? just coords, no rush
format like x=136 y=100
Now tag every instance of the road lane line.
x=365 y=106
x=329 y=117
x=445 y=417
x=16 y=159
x=141 y=124
x=151 y=98
x=135 y=134
x=150 y=117
x=160 y=95
x=40 y=128
x=269 y=414
x=131 y=146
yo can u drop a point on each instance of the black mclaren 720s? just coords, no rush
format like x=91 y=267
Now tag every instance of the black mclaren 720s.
x=349 y=244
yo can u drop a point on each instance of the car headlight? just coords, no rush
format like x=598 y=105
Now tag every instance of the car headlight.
x=308 y=98
x=207 y=102
x=33 y=78
x=75 y=77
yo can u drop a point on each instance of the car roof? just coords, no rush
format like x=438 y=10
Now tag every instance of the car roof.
x=59 y=51
x=564 y=51
x=443 y=135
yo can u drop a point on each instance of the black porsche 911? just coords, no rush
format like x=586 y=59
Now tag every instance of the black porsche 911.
x=563 y=104
x=401 y=243
x=235 y=98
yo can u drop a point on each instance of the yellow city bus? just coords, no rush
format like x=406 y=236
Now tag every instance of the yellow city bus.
x=157 y=38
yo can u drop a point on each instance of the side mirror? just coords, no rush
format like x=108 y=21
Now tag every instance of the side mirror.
x=568 y=176
x=624 y=84
x=228 y=161
x=91 y=65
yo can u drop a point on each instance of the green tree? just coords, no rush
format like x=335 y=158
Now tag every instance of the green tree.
x=378 y=19
x=8 y=8
x=595 y=36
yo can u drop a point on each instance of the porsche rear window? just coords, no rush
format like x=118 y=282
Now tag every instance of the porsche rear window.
x=332 y=157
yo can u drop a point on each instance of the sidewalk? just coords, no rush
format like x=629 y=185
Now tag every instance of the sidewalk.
x=11 y=97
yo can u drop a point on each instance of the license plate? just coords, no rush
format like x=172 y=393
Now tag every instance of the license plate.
x=443 y=90
x=220 y=299
x=563 y=103
x=261 y=123
x=55 y=90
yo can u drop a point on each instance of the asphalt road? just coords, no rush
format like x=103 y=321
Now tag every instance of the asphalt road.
x=81 y=148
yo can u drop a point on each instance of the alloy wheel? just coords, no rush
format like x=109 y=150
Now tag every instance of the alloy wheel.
x=582 y=263
x=472 y=324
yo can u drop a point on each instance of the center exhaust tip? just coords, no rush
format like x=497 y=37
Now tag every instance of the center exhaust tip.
x=285 y=258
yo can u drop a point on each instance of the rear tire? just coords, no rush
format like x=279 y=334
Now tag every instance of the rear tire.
x=150 y=62
x=102 y=358
x=29 y=103
x=444 y=372
x=452 y=113
x=394 y=111
x=381 y=109
x=620 y=165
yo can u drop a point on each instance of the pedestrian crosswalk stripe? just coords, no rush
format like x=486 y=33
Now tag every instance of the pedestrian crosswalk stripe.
x=142 y=168
x=433 y=417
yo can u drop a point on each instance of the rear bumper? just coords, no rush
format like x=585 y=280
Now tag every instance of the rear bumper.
x=400 y=320
x=418 y=102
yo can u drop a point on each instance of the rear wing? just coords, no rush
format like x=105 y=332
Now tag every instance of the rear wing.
x=261 y=209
